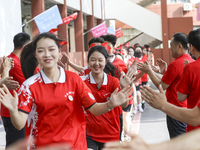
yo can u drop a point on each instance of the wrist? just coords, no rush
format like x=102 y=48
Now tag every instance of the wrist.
x=109 y=106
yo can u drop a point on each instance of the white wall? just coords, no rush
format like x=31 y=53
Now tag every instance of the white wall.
x=87 y=7
x=134 y=16
x=10 y=24
x=97 y=9
x=74 y=4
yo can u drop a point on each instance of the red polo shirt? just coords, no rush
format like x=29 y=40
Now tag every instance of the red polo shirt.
x=172 y=77
x=106 y=127
x=190 y=85
x=56 y=110
x=17 y=74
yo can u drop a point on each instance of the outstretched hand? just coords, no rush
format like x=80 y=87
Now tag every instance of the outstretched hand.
x=9 y=101
x=119 y=98
x=10 y=84
x=155 y=99
x=162 y=64
x=145 y=67
x=136 y=143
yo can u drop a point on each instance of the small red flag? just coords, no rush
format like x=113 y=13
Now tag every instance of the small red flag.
x=53 y=30
x=62 y=42
x=119 y=33
x=67 y=19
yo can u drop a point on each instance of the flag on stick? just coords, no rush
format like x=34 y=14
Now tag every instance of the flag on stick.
x=198 y=12
x=67 y=19
x=99 y=30
x=119 y=33
x=48 y=20
x=111 y=30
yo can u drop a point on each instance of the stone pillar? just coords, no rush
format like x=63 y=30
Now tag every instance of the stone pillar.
x=37 y=7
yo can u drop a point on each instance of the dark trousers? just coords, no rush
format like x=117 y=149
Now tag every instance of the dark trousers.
x=175 y=127
x=12 y=134
x=94 y=144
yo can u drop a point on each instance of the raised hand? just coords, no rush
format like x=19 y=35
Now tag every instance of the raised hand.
x=119 y=98
x=10 y=84
x=162 y=64
x=127 y=79
x=9 y=101
x=8 y=63
x=155 y=99
x=65 y=58
x=145 y=67
x=155 y=68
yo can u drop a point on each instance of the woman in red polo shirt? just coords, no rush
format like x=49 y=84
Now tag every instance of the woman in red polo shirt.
x=104 y=128
x=53 y=99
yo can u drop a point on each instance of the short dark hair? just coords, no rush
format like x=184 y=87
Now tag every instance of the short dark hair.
x=20 y=40
x=110 y=38
x=130 y=47
x=194 y=38
x=181 y=38
x=95 y=40
x=146 y=46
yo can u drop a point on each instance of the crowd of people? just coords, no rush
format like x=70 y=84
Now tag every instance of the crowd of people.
x=90 y=108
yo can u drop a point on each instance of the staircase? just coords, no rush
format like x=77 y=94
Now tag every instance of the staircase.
x=136 y=16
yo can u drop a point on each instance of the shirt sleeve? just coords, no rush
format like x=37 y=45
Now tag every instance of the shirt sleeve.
x=170 y=74
x=86 y=96
x=26 y=98
x=17 y=73
x=183 y=85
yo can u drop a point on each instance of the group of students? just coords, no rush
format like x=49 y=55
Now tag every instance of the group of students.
x=85 y=110
x=58 y=106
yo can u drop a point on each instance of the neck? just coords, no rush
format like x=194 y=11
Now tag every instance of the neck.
x=53 y=74
x=17 y=52
x=98 y=77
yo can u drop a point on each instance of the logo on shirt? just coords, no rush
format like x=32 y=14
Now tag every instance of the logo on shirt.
x=69 y=95
x=91 y=96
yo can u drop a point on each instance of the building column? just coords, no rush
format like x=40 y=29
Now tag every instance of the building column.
x=90 y=24
x=78 y=27
x=165 y=52
x=63 y=29
x=37 y=7
x=99 y=21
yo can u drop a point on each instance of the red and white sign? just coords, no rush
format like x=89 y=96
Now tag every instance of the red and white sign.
x=119 y=33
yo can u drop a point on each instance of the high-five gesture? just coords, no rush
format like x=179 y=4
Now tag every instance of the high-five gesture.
x=9 y=101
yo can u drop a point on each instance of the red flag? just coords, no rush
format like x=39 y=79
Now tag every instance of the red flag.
x=62 y=42
x=119 y=33
x=127 y=45
x=53 y=30
x=69 y=18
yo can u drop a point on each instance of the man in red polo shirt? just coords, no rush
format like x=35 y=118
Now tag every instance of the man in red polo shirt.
x=170 y=79
x=12 y=134
x=189 y=85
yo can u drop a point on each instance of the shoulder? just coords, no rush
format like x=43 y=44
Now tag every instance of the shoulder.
x=31 y=80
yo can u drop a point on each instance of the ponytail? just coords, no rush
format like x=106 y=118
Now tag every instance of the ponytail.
x=28 y=60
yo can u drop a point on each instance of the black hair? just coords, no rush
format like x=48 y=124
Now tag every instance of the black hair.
x=139 y=47
x=194 y=38
x=20 y=40
x=109 y=68
x=28 y=60
x=136 y=44
x=181 y=38
x=95 y=40
x=119 y=55
x=130 y=47
x=146 y=46
x=110 y=38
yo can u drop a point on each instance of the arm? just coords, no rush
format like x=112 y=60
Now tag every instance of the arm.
x=65 y=59
x=184 y=142
x=181 y=97
x=147 y=69
x=158 y=101
x=116 y=99
x=18 y=118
